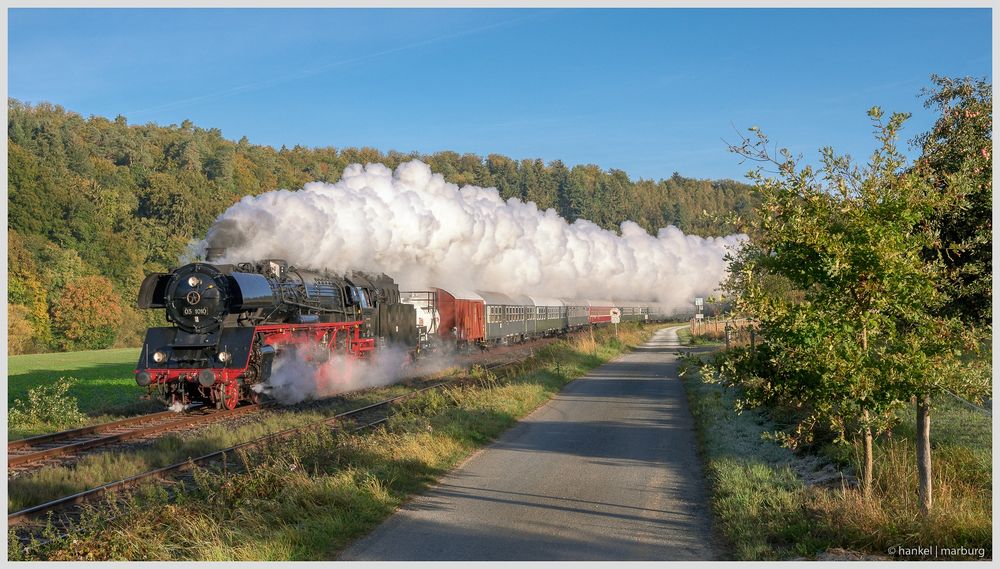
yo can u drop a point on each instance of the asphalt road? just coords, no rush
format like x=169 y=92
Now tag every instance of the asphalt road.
x=607 y=470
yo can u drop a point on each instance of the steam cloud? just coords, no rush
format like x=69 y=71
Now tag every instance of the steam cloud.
x=423 y=231
x=298 y=375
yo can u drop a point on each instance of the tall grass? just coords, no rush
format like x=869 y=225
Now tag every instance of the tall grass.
x=962 y=487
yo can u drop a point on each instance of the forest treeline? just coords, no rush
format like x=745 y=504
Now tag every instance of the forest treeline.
x=94 y=204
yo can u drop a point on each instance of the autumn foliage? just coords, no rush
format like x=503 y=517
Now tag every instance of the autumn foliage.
x=19 y=329
x=87 y=314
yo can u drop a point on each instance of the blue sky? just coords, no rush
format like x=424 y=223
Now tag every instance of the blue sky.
x=647 y=91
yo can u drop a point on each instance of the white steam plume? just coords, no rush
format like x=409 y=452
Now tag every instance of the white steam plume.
x=423 y=231
x=298 y=375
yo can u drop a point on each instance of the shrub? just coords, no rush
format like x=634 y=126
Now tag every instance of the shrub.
x=48 y=404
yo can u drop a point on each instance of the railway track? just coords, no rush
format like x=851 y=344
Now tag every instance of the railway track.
x=33 y=452
x=361 y=418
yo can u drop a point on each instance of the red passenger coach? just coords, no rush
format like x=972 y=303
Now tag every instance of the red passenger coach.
x=461 y=315
x=600 y=311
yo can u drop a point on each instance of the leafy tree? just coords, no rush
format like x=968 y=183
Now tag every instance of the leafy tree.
x=87 y=314
x=864 y=334
x=19 y=329
x=957 y=159
x=25 y=288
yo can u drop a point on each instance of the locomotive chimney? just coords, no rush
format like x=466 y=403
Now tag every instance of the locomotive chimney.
x=213 y=254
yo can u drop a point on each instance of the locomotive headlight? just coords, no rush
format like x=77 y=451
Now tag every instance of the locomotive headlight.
x=225 y=357
x=193 y=281
x=159 y=357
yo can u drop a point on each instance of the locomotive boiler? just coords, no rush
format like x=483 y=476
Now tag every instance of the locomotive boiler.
x=230 y=322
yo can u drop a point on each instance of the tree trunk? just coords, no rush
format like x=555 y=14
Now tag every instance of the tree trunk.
x=924 y=453
x=866 y=479
x=866 y=474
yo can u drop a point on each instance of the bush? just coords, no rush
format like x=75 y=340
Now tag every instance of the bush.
x=47 y=404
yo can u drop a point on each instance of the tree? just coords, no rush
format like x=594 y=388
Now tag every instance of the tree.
x=957 y=161
x=87 y=314
x=863 y=334
x=956 y=158
x=19 y=329
x=25 y=288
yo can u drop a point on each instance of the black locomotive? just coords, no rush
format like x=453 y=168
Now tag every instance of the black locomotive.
x=231 y=321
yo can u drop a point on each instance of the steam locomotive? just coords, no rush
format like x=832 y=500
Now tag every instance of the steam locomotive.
x=231 y=321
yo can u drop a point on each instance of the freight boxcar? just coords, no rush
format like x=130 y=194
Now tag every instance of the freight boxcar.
x=462 y=316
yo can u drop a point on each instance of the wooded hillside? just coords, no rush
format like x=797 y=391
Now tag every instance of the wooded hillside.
x=95 y=204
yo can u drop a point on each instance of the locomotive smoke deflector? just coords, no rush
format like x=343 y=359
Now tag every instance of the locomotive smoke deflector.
x=199 y=295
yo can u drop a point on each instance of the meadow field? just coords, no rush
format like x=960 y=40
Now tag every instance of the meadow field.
x=100 y=382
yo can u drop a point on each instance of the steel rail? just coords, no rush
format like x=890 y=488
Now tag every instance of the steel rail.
x=90 y=429
x=15 y=460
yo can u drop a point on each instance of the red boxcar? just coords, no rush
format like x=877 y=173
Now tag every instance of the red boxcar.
x=462 y=312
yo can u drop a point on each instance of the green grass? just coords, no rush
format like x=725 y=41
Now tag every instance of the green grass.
x=962 y=480
x=758 y=501
x=106 y=377
x=105 y=387
x=766 y=512
x=308 y=497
